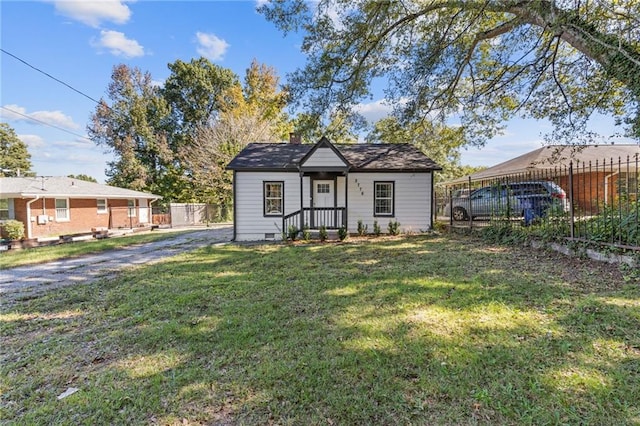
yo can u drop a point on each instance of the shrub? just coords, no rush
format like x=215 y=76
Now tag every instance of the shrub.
x=306 y=232
x=292 y=232
x=376 y=228
x=393 y=227
x=14 y=229
x=343 y=233
x=362 y=228
x=323 y=233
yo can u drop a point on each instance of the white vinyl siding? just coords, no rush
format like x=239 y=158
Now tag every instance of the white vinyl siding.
x=250 y=222
x=412 y=198
x=324 y=157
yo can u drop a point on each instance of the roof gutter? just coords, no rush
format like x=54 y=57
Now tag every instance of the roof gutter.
x=29 y=215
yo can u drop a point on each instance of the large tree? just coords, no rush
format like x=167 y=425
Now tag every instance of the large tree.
x=439 y=142
x=253 y=112
x=15 y=159
x=135 y=128
x=482 y=60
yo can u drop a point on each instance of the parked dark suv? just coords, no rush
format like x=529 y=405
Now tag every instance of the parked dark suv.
x=518 y=199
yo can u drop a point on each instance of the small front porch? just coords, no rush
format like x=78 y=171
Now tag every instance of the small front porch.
x=316 y=218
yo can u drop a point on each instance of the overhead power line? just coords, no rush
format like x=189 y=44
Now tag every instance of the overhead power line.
x=50 y=76
x=45 y=123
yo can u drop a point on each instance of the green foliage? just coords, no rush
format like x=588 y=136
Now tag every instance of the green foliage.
x=292 y=232
x=482 y=61
x=306 y=232
x=377 y=230
x=617 y=223
x=86 y=178
x=14 y=154
x=393 y=227
x=323 y=233
x=13 y=229
x=343 y=234
x=362 y=228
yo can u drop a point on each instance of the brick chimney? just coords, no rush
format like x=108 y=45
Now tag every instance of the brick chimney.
x=294 y=139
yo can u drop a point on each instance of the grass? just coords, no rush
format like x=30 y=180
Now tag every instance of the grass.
x=12 y=258
x=413 y=330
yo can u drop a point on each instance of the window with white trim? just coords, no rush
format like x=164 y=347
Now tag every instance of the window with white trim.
x=4 y=208
x=131 y=208
x=102 y=205
x=273 y=198
x=383 y=201
x=62 y=209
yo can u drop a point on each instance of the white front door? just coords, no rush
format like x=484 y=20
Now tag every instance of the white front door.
x=143 y=208
x=323 y=191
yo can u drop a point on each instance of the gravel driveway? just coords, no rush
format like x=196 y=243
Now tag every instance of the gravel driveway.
x=28 y=280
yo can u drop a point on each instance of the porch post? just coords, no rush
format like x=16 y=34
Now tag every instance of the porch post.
x=345 y=219
x=301 y=200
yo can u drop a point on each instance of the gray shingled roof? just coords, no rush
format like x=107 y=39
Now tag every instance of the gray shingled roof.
x=361 y=157
x=17 y=187
x=552 y=156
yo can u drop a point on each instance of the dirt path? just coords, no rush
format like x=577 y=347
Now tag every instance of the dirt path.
x=24 y=281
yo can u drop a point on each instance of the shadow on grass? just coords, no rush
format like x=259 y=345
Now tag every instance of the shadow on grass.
x=414 y=330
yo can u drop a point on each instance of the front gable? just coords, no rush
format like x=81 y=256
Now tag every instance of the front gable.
x=324 y=156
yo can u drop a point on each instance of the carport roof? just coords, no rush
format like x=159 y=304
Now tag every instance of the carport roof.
x=552 y=156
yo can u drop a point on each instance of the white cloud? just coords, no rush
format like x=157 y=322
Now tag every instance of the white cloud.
x=54 y=118
x=261 y=3
x=94 y=12
x=211 y=47
x=118 y=44
x=374 y=111
x=32 y=141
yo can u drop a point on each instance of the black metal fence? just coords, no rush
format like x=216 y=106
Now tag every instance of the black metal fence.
x=593 y=202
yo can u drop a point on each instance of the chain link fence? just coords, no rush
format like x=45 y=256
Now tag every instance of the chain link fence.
x=190 y=214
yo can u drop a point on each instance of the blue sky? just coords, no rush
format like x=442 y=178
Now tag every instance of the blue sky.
x=79 y=43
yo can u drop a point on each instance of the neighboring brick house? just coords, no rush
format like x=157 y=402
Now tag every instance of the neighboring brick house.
x=601 y=174
x=53 y=206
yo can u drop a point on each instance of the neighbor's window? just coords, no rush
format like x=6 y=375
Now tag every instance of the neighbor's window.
x=383 y=198
x=131 y=208
x=273 y=198
x=62 y=209
x=4 y=208
x=102 y=205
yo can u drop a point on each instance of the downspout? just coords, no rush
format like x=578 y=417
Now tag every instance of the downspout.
x=606 y=186
x=29 y=215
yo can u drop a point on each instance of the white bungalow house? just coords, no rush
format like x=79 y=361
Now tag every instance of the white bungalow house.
x=278 y=185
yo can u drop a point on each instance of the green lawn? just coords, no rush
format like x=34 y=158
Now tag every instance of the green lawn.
x=414 y=330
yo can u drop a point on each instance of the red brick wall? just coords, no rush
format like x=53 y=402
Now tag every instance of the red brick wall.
x=83 y=215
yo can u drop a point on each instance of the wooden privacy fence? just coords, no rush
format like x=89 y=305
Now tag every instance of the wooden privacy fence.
x=190 y=214
x=596 y=201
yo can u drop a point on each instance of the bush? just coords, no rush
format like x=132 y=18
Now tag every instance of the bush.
x=376 y=229
x=393 y=227
x=362 y=228
x=323 y=233
x=343 y=233
x=14 y=229
x=306 y=233
x=292 y=232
